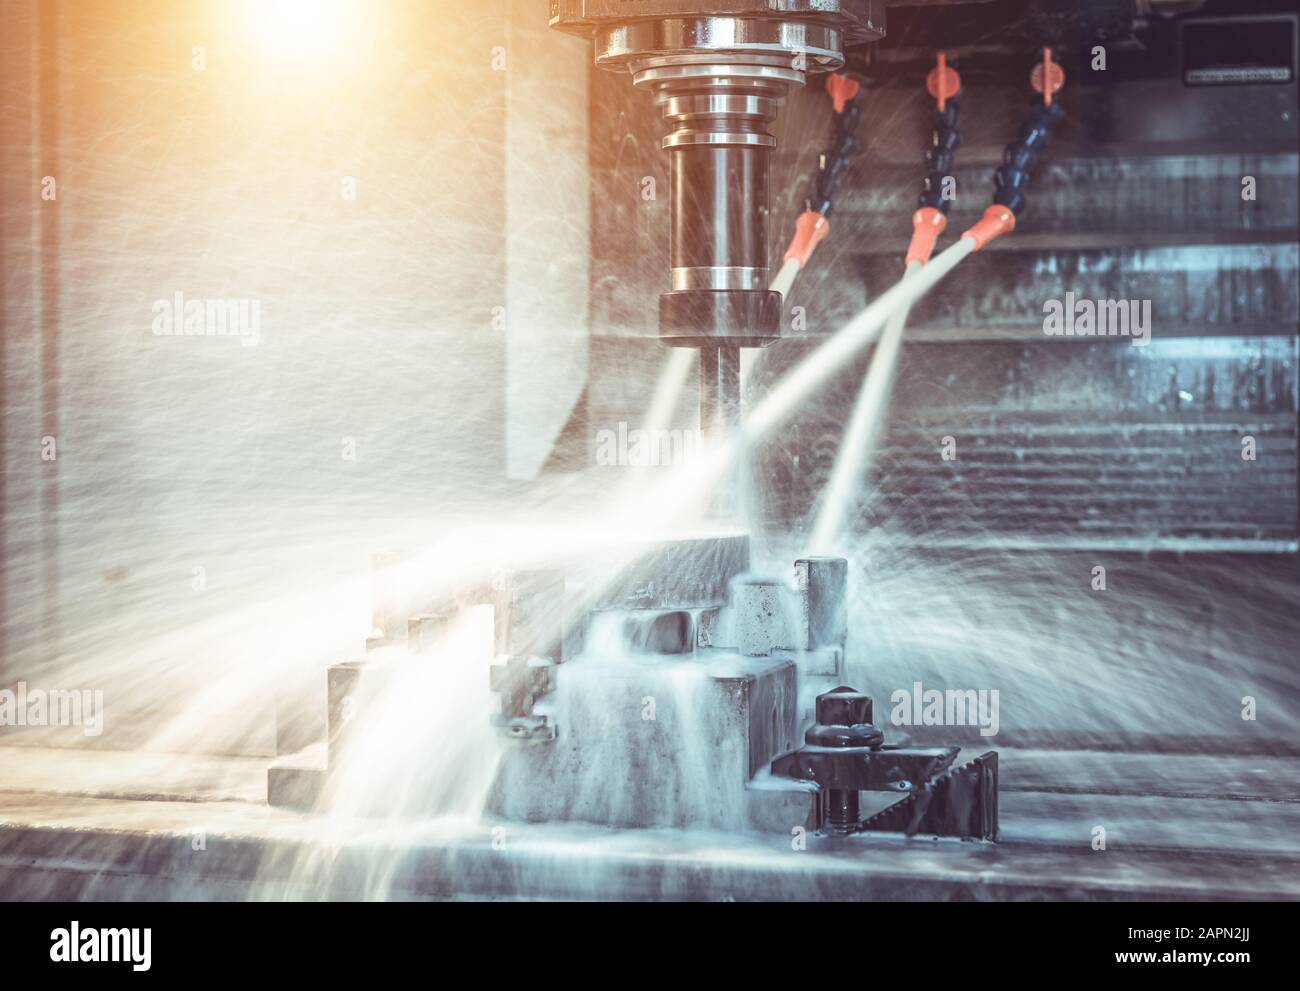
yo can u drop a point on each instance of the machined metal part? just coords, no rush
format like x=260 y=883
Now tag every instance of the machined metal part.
x=689 y=766
x=529 y=729
x=387 y=607
x=345 y=697
x=529 y=613
x=425 y=631
x=520 y=682
x=807 y=621
x=677 y=574
x=660 y=632
x=721 y=743
x=821 y=584
x=759 y=616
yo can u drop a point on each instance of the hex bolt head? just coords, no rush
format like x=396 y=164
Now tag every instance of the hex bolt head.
x=843 y=707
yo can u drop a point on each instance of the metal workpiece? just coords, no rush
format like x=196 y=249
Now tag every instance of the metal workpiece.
x=660 y=632
x=759 y=616
x=349 y=686
x=808 y=619
x=691 y=765
x=387 y=601
x=708 y=628
x=529 y=609
x=522 y=682
x=663 y=575
x=679 y=710
x=537 y=625
x=424 y=632
x=821 y=589
x=529 y=638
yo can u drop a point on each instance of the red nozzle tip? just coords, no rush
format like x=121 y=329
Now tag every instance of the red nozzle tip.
x=1049 y=71
x=809 y=229
x=997 y=220
x=842 y=89
x=942 y=83
x=927 y=224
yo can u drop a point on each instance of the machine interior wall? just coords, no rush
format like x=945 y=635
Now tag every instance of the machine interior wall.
x=355 y=193
x=1074 y=453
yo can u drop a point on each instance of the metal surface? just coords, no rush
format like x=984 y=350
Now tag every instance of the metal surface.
x=758 y=616
x=719 y=391
x=642 y=44
x=1195 y=827
x=344 y=687
x=529 y=613
x=521 y=681
x=719 y=277
x=845 y=754
x=677 y=574
x=960 y=802
x=719 y=72
x=691 y=765
x=1069 y=438
x=660 y=632
x=714 y=748
x=1081 y=439
x=821 y=584
x=719 y=148
x=860 y=20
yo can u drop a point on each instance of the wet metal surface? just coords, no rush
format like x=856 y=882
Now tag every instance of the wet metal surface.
x=109 y=847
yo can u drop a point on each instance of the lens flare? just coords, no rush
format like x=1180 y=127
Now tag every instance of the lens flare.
x=299 y=29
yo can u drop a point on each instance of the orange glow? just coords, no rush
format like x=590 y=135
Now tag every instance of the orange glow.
x=301 y=28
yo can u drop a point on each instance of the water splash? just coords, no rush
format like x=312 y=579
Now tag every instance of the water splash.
x=861 y=435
